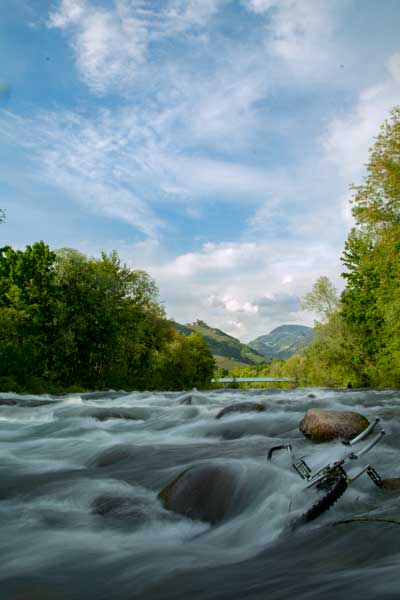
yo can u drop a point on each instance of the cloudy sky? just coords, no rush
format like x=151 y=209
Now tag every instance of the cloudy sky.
x=211 y=142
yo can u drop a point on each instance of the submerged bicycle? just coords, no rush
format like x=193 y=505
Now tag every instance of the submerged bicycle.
x=332 y=480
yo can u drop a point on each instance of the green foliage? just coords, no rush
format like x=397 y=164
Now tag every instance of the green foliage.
x=186 y=361
x=228 y=351
x=68 y=320
x=372 y=260
x=359 y=340
x=323 y=298
x=283 y=341
x=377 y=199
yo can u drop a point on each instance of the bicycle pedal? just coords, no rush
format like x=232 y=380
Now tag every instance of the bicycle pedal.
x=374 y=476
x=302 y=469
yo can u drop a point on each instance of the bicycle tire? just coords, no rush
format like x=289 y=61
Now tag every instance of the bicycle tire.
x=325 y=502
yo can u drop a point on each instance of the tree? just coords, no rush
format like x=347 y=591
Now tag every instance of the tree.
x=377 y=199
x=372 y=259
x=91 y=323
x=323 y=298
x=27 y=306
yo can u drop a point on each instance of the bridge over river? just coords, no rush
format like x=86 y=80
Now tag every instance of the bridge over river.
x=254 y=379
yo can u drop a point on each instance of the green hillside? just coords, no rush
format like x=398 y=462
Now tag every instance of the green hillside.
x=283 y=341
x=229 y=352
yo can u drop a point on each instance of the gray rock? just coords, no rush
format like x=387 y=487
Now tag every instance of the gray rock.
x=202 y=492
x=120 y=507
x=106 y=415
x=241 y=407
x=8 y=402
x=185 y=399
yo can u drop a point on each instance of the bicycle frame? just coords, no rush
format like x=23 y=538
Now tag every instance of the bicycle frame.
x=327 y=471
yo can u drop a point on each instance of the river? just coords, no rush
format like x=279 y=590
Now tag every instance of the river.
x=56 y=459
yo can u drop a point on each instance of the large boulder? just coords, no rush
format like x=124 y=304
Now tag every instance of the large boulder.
x=201 y=492
x=325 y=425
x=241 y=407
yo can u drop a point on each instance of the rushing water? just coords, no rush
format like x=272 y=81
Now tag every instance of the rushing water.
x=56 y=459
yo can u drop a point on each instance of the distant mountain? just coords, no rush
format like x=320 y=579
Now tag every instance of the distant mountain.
x=283 y=342
x=228 y=351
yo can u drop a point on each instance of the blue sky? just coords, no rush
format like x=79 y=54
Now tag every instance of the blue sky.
x=211 y=142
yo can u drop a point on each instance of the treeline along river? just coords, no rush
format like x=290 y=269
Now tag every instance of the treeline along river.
x=81 y=519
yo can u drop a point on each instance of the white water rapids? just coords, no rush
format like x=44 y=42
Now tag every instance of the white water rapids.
x=57 y=459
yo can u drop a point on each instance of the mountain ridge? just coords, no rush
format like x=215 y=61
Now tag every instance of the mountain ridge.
x=230 y=353
x=283 y=341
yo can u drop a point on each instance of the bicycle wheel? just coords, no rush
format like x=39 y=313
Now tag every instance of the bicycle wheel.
x=332 y=488
x=335 y=488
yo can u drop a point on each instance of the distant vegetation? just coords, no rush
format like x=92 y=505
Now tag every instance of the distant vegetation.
x=71 y=322
x=283 y=341
x=228 y=351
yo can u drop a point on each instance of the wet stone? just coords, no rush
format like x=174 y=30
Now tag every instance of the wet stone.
x=119 y=507
x=241 y=407
x=325 y=425
x=8 y=402
x=186 y=400
x=106 y=415
x=202 y=492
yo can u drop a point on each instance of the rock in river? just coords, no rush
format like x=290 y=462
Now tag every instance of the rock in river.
x=106 y=415
x=201 y=492
x=120 y=507
x=241 y=407
x=8 y=402
x=325 y=425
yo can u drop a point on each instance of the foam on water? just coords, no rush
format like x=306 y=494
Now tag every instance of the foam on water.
x=58 y=458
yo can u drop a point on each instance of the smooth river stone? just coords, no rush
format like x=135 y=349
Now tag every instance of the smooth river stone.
x=106 y=415
x=325 y=425
x=202 y=492
x=241 y=407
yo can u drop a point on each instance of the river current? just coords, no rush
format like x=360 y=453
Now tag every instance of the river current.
x=57 y=460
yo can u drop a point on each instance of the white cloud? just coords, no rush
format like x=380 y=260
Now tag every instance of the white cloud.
x=298 y=32
x=260 y=284
x=111 y=43
x=189 y=13
x=86 y=161
x=349 y=136
x=232 y=305
x=212 y=258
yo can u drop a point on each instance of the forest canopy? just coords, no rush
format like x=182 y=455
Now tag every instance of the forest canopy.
x=68 y=321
